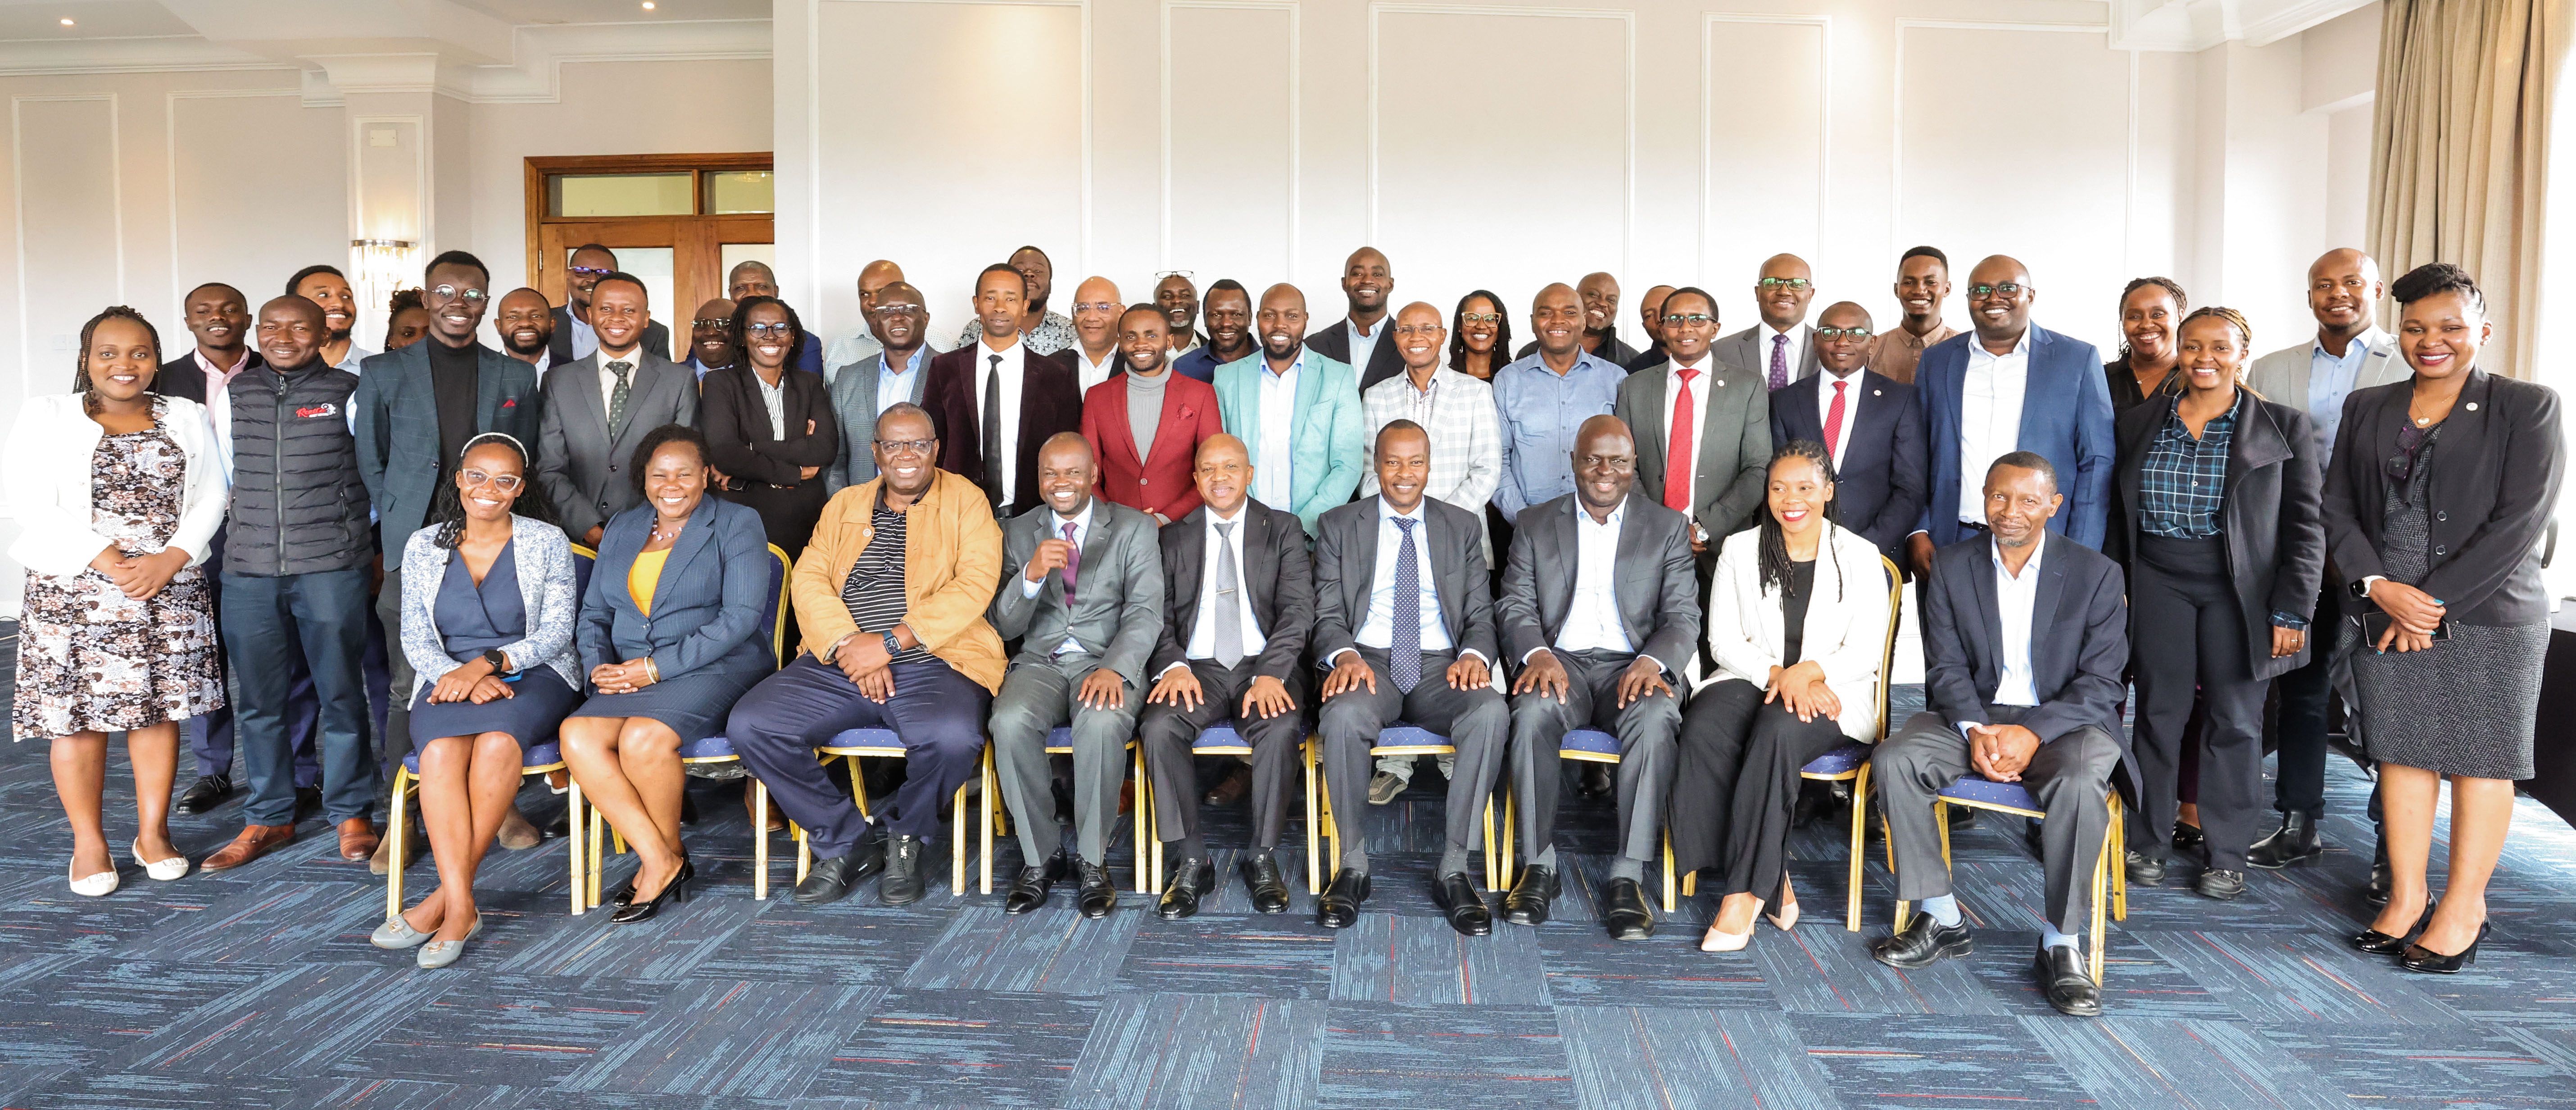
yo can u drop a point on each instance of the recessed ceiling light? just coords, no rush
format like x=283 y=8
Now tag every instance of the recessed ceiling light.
x=67 y=23
x=648 y=5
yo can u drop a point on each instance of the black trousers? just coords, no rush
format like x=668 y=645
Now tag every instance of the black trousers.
x=2305 y=695
x=2187 y=633
x=1737 y=784
x=1168 y=731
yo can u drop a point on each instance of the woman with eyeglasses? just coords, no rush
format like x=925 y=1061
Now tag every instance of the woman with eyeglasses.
x=771 y=432
x=2219 y=529
x=488 y=606
x=2435 y=501
x=1480 y=343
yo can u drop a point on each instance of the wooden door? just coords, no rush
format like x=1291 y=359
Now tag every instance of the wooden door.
x=694 y=244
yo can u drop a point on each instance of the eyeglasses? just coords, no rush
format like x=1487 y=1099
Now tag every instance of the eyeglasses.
x=2009 y=289
x=590 y=271
x=1480 y=317
x=452 y=293
x=1094 y=306
x=1417 y=329
x=1776 y=283
x=1689 y=318
x=1842 y=333
x=1619 y=465
x=906 y=446
x=506 y=483
x=1174 y=273
x=893 y=309
x=718 y=322
x=781 y=329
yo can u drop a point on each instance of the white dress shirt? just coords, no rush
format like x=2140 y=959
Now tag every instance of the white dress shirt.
x=219 y=403
x=1014 y=370
x=1794 y=352
x=634 y=360
x=1592 y=621
x=1990 y=396
x=1825 y=383
x=1272 y=481
x=358 y=354
x=1203 y=630
x=774 y=398
x=1091 y=373
x=2016 y=600
x=545 y=361
x=1364 y=344
x=1378 y=631
x=1686 y=455
x=1055 y=531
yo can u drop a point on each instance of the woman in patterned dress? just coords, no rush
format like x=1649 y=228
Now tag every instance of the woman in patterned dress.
x=118 y=492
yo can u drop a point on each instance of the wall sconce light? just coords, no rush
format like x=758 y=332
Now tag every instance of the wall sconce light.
x=377 y=267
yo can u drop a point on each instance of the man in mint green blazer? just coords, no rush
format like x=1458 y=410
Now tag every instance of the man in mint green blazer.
x=1296 y=411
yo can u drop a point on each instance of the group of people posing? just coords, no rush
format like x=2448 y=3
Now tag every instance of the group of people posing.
x=1118 y=527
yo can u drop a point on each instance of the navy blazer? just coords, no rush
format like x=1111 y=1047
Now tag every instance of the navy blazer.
x=1879 y=481
x=2065 y=416
x=707 y=604
x=2079 y=639
x=398 y=428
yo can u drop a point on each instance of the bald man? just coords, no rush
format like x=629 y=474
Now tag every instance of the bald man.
x=860 y=342
x=1296 y=409
x=1367 y=283
x=1599 y=292
x=1782 y=348
x=900 y=322
x=711 y=338
x=1082 y=590
x=1542 y=398
x=1650 y=315
x=1178 y=297
x=1094 y=354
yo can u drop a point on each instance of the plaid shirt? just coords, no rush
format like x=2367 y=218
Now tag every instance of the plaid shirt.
x=1466 y=436
x=2185 y=480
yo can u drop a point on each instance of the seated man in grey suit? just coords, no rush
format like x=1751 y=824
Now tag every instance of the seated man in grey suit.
x=1600 y=604
x=1087 y=605
x=2024 y=636
x=1404 y=621
x=899 y=320
x=599 y=407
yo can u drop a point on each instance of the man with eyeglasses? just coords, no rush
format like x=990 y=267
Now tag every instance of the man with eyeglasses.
x=1600 y=293
x=1179 y=301
x=416 y=408
x=1228 y=312
x=1704 y=440
x=860 y=342
x=1367 y=282
x=711 y=339
x=752 y=277
x=573 y=335
x=1922 y=283
x=1094 y=354
x=1542 y=398
x=1045 y=332
x=2010 y=386
x=1781 y=348
x=996 y=400
x=598 y=409
x=891 y=376
x=1868 y=422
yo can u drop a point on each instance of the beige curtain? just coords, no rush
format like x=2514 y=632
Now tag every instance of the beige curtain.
x=2460 y=151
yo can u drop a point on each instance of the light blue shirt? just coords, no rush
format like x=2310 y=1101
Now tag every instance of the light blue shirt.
x=1378 y=631
x=2330 y=381
x=890 y=381
x=1540 y=412
x=1273 y=477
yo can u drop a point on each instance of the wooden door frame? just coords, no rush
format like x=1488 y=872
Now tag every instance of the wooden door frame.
x=697 y=241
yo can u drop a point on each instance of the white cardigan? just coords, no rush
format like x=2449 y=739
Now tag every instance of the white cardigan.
x=1846 y=629
x=45 y=466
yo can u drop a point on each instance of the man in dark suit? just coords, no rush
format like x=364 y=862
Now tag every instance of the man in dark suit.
x=1600 y=605
x=218 y=317
x=573 y=336
x=1782 y=348
x=2024 y=636
x=1367 y=282
x=899 y=322
x=2007 y=386
x=1404 y=623
x=597 y=409
x=1726 y=428
x=1870 y=424
x=995 y=401
x=1239 y=601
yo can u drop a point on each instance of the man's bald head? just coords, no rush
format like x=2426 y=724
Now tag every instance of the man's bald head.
x=518 y=297
x=2001 y=314
x=1600 y=293
x=1367 y=281
x=1223 y=473
x=1842 y=338
x=1096 y=308
x=290 y=331
x=2343 y=292
x=1066 y=473
x=1782 y=292
x=1557 y=319
x=751 y=278
x=1281 y=321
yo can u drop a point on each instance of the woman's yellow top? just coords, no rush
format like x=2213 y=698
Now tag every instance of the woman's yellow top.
x=643 y=576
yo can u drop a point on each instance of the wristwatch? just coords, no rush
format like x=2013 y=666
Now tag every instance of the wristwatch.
x=500 y=661
x=893 y=647
x=2362 y=587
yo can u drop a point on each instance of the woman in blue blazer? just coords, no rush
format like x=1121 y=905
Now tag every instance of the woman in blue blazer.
x=671 y=633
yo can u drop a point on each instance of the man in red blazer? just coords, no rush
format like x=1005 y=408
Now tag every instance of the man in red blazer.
x=1146 y=423
x=994 y=402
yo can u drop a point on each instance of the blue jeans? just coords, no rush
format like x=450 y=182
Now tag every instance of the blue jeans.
x=326 y=615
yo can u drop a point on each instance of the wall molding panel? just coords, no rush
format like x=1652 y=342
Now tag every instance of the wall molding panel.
x=18 y=165
x=1295 y=124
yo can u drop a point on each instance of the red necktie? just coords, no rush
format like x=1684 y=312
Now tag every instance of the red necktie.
x=1834 y=423
x=1679 y=458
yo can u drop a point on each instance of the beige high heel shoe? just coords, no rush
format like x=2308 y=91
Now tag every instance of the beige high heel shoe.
x=1787 y=918
x=1719 y=940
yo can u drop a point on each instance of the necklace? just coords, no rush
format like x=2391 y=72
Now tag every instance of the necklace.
x=673 y=534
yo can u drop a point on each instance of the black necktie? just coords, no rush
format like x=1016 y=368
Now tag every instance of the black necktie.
x=993 y=462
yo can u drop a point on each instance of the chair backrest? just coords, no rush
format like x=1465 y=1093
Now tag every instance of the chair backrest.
x=582 y=558
x=774 y=610
x=1887 y=656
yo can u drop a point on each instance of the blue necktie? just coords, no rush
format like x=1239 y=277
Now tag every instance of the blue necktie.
x=1404 y=653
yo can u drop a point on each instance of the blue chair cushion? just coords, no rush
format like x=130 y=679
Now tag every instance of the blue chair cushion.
x=1060 y=738
x=1976 y=788
x=866 y=738
x=1840 y=761
x=1590 y=740
x=1222 y=735
x=713 y=747
x=1409 y=736
x=543 y=755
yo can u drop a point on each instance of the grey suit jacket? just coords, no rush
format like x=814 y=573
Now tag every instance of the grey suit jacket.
x=582 y=460
x=1734 y=449
x=855 y=403
x=1117 y=609
x=2282 y=376
x=1751 y=348
x=398 y=428
x=1653 y=576
x=1346 y=573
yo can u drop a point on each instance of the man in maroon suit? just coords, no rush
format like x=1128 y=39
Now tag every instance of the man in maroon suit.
x=994 y=402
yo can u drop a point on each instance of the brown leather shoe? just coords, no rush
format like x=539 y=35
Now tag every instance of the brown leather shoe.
x=1231 y=789
x=357 y=839
x=255 y=841
x=777 y=821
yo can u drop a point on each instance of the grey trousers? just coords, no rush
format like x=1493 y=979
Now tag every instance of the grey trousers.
x=2070 y=778
x=1038 y=696
x=1475 y=721
x=1646 y=730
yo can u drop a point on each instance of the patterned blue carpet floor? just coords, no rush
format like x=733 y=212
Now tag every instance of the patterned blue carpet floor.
x=257 y=988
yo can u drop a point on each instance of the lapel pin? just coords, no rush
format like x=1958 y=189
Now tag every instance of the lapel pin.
x=1875 y=393
x=2473 y=406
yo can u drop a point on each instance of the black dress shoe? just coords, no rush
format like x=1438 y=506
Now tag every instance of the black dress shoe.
x=833 y=879
x=2188 y=838
x=308 y=801
x=2380 y=879
x=2064 y=978
x=1181 y=895
x=2143 y=869
x=2426 y=961
x=1527 y=903
x=1624 y=910
x=1595 y=781
x=2376 y=943
x=1458 y=900
x=1096 y=895
x=1339 y=908
x=1924 y=943
x=2220 y=884
x=902 y=884
x=688 y=809
x=1029 y=891
x=2294 y=843
x=561 y=826
x=208 y=792
x=1269 y=887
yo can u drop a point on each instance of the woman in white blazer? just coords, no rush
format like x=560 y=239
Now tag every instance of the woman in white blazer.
x=1797 y=621
x=117 y=492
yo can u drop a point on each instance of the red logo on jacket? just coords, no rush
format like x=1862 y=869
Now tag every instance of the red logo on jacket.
x=318 y=411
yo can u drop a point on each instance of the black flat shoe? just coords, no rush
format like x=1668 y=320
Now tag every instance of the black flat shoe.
x=2291 y=845
x=677 y=890
x=1595 y=781
x=208 y=792
x=1181 y=895
x=1096 y=895
x=2220 y=884
x=1527 y=904
x=2381 y=881
x=2064 y=978
x=2377 y=943
x=1924 y=943
x=1261 y=876
x=1339 y=908
x=1029 y=890
x=833 y=879
x=1625 y=912
x=2426 y=961
x=1465 y=909
x=2188 y=838
x=2143 y=869
x=902 y=884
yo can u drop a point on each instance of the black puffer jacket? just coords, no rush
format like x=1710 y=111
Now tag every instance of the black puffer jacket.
x=299 y=506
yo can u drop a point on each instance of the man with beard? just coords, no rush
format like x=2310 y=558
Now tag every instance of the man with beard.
x=1043 y=331
x=1781 y=348
x=995 y=400
x=893 y=375
x=526 y=324
x=1228 y=312
x=1922 y=283
x=711 y=339
x=573 y=335
x=326 y=286
x=1179 y=301
x=1367 y=282
x=1146 y=423
x=598 y=409
x=1296 y=410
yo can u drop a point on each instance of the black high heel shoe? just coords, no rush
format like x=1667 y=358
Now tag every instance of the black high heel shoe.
x=2378 y=943
x=676 y=891
x=2421 y=959
x=625 y=892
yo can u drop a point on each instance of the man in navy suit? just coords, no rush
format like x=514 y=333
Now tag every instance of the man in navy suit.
x=1871 y=424
x=2010 y=386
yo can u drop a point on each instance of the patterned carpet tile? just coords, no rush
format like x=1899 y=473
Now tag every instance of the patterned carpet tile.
x=1276 y=956
x=298 y=1021
x=1377 y=1054
x=1053 y=949
x=2300 y=977
x=957 y=1047
x=2385 y=1065
x=741 y=1039
x=1586 y=967
x=1186 y=1052
x=1421 y=961
x=1639 y=1058
x=83 y=1011
x=520 y=1030
x=1942 y=1060
x=2143 y=1063
x=851 y=941
x=670 y=946
x=1818 y=968
x=273 y=923
x=2138 y=981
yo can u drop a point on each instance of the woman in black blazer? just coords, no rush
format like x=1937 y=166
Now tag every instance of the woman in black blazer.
x=2220 y=529
x=771 y=431
x=2456 y=619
